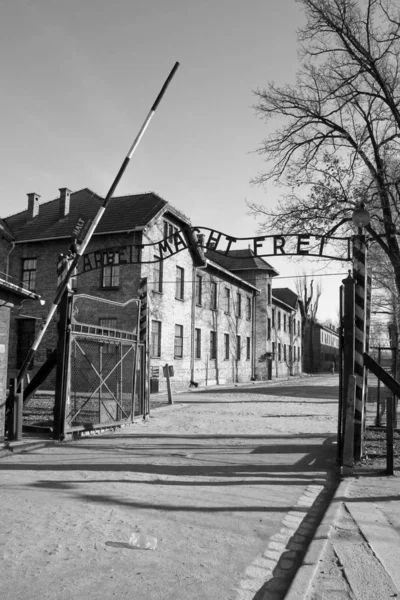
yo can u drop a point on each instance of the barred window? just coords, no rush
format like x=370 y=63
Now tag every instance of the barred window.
x=178 y=343
x=158 y=274
x=155 y=341
x=213 y=344
x=29 y=266
x=226 y=345
x=213 y=299
x=239 y=304
x=227 y=300
x=180 y=283
x=198 y=343
x=248 y=308
x=199 y=289
x=110 y=274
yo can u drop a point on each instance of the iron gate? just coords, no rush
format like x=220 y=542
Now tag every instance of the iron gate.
x=106 y=365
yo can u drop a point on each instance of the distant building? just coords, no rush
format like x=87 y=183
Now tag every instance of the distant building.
x=286 y=333
x=321 y=347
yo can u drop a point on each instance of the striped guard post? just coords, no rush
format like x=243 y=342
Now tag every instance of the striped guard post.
x=359 y=273
x=63 y=263
x=144 y=311
x=144 y=338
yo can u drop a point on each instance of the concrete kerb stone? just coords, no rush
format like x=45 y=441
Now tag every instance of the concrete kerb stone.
x=302 y=581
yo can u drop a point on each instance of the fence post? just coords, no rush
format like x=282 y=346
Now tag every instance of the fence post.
x=389 y=435
x=169 y=388
x=63 y=358
x=339 y=454
x=378 y=395
x=359 y=272
x=348 y=444
x=348 y=351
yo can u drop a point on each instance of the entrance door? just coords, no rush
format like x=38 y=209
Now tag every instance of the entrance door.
x=25 y=339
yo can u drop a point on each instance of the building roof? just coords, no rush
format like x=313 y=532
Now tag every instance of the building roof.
x=286 y=296
x=240 y=260
x=231 y=275
x=5 y=231
x=123 y=213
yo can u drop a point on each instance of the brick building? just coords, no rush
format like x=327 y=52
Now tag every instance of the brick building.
x=12 y=297
x=210 y=316
x=286 y=333
x=321 y=347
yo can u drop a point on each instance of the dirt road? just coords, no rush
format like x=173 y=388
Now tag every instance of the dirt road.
x=232 y=482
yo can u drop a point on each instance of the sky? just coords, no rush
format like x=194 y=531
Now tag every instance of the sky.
x=78 y=78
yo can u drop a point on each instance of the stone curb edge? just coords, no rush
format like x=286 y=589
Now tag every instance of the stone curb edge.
x=304 y=577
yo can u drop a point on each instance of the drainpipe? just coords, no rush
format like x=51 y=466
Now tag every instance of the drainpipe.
x=193 y=318
x=253 y=335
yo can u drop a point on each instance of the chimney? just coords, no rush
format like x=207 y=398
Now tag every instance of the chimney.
x=33 y=205
x=65 y=195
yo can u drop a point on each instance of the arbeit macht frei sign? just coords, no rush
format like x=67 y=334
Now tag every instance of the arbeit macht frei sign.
x=334 y=248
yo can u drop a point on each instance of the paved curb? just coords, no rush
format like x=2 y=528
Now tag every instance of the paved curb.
x=303 y=579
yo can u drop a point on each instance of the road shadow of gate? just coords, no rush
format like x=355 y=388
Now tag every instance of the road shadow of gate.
x=316 y=458
x=302 y=392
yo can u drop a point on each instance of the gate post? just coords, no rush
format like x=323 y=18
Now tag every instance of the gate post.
x=359 y=272
x=63 y=359
x=347 y=440
x=63 y=349
x=144 y=336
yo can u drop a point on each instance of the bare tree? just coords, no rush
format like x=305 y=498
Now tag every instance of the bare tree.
x=340 y=137
x=308 y=304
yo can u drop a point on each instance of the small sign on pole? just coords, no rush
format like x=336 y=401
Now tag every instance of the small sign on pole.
x=168 y=372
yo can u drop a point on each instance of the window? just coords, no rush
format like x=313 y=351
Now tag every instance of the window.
x=238 y=347
x=284 y=352
x=169 y=230
x=213 y=344
x=289 y=324
x=155 y=342
x=298 y=327
x=213 y=292
x=227 y=300
x=158 y=275
x=248 y=308
x=239 y=304
x=269 y=329
x=273 y=350
x=284 y=322
x=269 y=293
x=248 y=348
x=180 y=283
x=290 y=354
x=25 y=339
x=226 y=345
x=273 y=318
x=279 y=320
x=197 y=343
x=110 y=274
x=178 y=343
x=279 y=352
x=199 y=289
x=29 y=273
